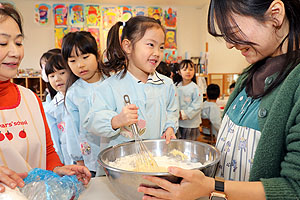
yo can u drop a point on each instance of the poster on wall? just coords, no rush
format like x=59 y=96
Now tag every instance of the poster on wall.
x=96 y=33
x=170 y=39
x=155 y=12
x=60 y=12
x=170 y=18
x=41 y=13
x=139 y=11
x=109 y=16
x=125 y=13
x=75 y=29
x=59 y=33
x=76 y=15
x=92 y=15
x=170 y=55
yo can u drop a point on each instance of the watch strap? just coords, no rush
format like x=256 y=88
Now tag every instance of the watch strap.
x=219 y=184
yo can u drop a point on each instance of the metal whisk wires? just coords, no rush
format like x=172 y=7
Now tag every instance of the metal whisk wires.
x=145 y=161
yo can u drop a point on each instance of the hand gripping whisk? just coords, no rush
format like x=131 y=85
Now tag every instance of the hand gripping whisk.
x=145 y=161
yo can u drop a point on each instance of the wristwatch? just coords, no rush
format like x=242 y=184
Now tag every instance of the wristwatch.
x=218 y=194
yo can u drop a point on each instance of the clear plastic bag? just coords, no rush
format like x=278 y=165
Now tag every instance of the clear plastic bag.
x=46 y=185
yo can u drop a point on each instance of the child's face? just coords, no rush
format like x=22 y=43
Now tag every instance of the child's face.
x=11 y=48
x=84 y=66
x=187 y=73
x=146 y=54
x=58 y=80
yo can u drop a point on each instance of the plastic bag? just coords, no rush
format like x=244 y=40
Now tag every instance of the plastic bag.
x=11 y=194
x=46 y=185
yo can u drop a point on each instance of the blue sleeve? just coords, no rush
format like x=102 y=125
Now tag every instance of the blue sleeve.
x=72 y=129
x=52 y=123
x=196 y=105
x=172 y=109
x=103 y=109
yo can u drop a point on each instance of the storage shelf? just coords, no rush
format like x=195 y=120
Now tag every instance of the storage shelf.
x=34 y=83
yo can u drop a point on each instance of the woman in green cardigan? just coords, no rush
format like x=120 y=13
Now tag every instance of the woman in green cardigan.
x=259 y=138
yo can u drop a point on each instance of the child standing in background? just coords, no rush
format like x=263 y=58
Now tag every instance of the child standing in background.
x=80 y=50
x=153 y=96
x=211 y=110
x=55 y=111
x=50 y=92
x=190 y=101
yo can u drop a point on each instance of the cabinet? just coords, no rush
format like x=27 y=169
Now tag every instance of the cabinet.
x=223 y=80
x=36 y=84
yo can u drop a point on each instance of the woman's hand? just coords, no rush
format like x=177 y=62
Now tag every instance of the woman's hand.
x=11 y=178
x=83 y=174
x=128 y=116
x=169 y=134
x=193 y=185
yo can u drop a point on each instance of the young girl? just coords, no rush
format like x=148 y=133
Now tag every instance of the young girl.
x=50 y=92
x=259 y=138
x=153 y=96
x=25 y=140
x=80 y=51
x=190 y=101
x=55 y=111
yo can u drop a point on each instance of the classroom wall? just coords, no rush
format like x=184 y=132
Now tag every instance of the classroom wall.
x=191 y=37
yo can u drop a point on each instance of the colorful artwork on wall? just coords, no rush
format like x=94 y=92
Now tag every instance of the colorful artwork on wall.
x=76 y=15
x=42 y=12
x=170 y=55
x=109 y=16
x=75 y=29
x=59 y=32
x=92 y=15
x=96 y=33
x=170 y=39
x=60 y=12
x=125 y=13
x=155 y=12
x=170 y=18
x=139 y=11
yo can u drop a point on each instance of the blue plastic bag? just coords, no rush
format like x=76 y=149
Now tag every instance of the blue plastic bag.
x=42 y=184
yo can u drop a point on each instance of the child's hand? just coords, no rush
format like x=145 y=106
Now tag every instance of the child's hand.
x=127 y=117
x=169 y=134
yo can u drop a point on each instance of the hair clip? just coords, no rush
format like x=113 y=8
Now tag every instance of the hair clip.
x=124 y=24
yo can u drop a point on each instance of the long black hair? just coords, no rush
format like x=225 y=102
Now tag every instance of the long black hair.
x=84 y=43
x=177 y=78
x=220 y=13
x=134 y=30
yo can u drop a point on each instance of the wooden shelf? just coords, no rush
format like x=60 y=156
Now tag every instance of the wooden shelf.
x=36 y=84
x=223 y=80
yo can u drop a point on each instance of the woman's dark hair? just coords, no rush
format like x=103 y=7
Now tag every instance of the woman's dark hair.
x=220 y=15
x=213 y=91
x=46 y=56
x=134 y=30
x=84 y=43
x=183 y=65
x=8 y=10
x=54 y=63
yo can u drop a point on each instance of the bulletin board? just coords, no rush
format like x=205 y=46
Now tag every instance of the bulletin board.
x=98 y=19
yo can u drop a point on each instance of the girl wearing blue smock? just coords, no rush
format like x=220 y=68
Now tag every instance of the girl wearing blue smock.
x=190 y=101
x=55 y=111
x=153 y=96
x=80 y=50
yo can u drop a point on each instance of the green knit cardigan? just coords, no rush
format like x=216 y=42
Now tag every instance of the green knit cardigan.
x=277 y=158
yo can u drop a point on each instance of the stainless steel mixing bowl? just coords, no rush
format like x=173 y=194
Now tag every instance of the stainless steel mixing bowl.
x=125 y=183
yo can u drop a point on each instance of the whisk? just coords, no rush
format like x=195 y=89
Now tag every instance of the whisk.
x=144 y=161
